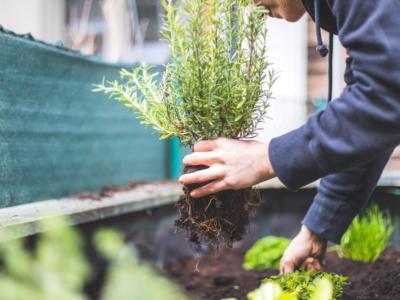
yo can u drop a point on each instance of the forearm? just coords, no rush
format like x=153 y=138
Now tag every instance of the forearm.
x=341 y=196
x=364 y=121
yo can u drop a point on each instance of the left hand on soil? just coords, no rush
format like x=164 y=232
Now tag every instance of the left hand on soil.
x=307 y=251
x=233 y=164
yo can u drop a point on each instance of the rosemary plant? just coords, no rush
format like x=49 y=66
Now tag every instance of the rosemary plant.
x=218 y=81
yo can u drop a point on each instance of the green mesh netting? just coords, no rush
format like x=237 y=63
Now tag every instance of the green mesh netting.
x=57 y=137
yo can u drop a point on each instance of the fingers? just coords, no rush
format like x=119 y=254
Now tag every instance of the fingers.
x=312 y=264
x=211 y=188
x=204 y=146
x=205 y=152
x=287 y=266
x=201 y=158
x=205 y=175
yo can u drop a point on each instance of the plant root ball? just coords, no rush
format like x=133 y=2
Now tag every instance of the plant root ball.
x=217 y=219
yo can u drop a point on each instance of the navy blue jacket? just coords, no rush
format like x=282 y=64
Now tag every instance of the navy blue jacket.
x=349 y=143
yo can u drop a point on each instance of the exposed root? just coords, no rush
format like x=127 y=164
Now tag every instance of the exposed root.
x=218 y=219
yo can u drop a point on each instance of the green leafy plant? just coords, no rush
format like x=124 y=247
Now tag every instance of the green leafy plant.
x=266 y=253
x=57 y=268
x=367 y=237
x=215 y=85
x=301 y=285
x=127 y=277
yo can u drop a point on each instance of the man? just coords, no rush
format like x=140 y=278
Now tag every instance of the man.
x=347 y=144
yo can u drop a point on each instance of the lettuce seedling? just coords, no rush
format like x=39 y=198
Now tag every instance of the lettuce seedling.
x=301 y=285
x=270 y=291
x=266 y=253
x=367 y=237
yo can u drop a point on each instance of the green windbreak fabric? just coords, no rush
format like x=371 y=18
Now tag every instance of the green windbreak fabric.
x=57 y=137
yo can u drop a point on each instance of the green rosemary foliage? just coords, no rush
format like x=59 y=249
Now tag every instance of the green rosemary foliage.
x=266 y=253
x=367 y=237
x=218 y=81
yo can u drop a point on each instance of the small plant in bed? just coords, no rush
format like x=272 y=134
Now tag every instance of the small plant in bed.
x=367 y=237
x=217 y=84
x=266 y=253
x=300 y=285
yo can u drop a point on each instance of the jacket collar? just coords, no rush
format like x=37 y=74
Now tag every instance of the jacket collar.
x=328 y=20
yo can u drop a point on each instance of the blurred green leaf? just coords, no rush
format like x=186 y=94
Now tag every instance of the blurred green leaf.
x=266 y=253
x=367 y=237
x=57 y=268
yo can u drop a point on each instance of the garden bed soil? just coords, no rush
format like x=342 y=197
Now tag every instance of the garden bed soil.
x=218 y=277
x=108 y=191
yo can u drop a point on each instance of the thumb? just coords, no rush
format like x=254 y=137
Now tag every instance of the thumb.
x=312 y=263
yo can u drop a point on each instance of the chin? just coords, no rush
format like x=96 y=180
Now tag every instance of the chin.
x=292 y=18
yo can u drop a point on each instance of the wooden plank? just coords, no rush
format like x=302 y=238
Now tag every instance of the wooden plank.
x=275 y=183
x=389 y=178
x=24 y=220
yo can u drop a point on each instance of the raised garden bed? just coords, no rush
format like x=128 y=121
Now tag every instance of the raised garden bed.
x=217 y=278
x=146 y=215
x=207 y=276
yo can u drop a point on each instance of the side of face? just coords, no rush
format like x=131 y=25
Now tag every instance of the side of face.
x=290 y=10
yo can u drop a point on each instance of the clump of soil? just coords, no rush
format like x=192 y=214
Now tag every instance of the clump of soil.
x=108 y=191
x=217 y=278
x=217 y=219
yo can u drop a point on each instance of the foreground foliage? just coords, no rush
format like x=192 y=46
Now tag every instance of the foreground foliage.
x=300 y=285
x=266 y=253
x=367 y=237
x=57 y=268
x=215 y=85
x=127 y=277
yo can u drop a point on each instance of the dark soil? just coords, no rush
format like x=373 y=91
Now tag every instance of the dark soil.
x=215 y=277
x=108 y=191
x=379 y=280
x=220 y=277
x=218 y=219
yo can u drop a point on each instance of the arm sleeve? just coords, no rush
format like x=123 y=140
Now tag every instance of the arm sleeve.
x=364 y=121
x=341 y=196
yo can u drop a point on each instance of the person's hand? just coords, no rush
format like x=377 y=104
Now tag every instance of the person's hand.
x=232 y=164
x=307 y=251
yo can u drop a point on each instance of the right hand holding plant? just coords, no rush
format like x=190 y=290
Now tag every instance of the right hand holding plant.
x=233 y=164
x=307 y=251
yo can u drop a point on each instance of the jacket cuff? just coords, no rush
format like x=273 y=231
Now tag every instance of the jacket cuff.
x=329 y=219
x=291 y=158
